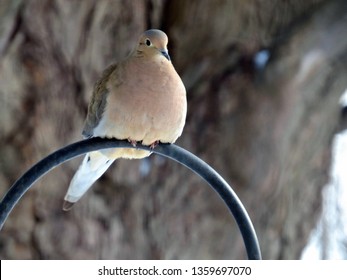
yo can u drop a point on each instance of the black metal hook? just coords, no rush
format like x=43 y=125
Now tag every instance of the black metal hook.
x=171 y=151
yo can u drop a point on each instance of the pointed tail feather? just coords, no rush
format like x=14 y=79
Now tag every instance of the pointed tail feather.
x=93 y=166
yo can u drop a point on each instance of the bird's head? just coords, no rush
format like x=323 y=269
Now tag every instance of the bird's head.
x=152 y=43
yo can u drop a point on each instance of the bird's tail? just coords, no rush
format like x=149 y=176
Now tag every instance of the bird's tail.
x=93 y=166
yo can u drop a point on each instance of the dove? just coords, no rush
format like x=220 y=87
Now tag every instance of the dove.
x=139 y=99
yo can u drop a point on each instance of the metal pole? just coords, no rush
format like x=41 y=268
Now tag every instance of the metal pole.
x=171 y=151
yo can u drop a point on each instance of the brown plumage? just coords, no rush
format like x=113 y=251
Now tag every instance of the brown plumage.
x=141 y=99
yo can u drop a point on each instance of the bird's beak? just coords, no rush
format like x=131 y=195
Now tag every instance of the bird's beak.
x=165 y=53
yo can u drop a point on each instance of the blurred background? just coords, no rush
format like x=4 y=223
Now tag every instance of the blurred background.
x=264 y=80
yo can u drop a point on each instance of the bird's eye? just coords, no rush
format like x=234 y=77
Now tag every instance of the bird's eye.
x=148 y=42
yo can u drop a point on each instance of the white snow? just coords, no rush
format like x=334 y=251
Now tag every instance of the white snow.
x=343 y=99
x=329 y=239
x=261 y=58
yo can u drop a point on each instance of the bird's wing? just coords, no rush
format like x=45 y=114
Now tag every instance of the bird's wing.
x=97 y=104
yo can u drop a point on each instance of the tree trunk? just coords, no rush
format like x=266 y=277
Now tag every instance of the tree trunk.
x=267 y=130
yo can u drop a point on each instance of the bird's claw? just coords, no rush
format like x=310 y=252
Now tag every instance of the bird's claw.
x=154 y=144
x=132 y=142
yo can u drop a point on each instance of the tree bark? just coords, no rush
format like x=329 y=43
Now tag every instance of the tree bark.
x=267 y=131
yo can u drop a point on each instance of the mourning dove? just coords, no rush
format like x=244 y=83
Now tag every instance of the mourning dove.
x=142 y=99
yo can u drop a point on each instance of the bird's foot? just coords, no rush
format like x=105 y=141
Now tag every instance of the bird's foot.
x=132 y=142
x=154 y=144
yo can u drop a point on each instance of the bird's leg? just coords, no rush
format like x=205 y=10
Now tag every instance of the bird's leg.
x=154 y=144
x=132 y=142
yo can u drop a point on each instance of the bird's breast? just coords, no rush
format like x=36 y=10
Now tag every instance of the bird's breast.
x=149 y=105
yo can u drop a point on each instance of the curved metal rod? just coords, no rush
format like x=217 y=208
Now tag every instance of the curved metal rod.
x=167 y=150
